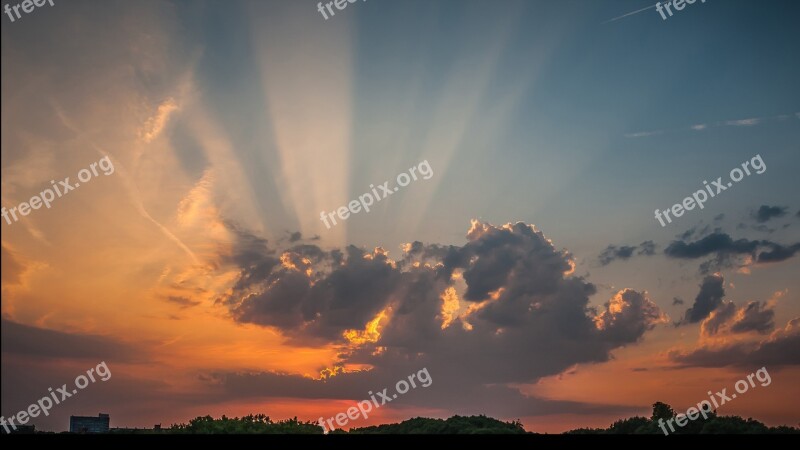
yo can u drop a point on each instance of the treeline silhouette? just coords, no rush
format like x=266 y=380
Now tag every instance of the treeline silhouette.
x=453 y=425
x=262 y=424
x=713 y=424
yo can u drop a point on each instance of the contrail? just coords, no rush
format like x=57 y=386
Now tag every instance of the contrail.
x=630 y=13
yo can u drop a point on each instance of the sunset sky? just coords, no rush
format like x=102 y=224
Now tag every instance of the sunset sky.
x=528 y=275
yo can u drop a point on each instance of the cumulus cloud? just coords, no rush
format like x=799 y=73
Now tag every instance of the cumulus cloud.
x=727 y=319
x=503 y=308
x=628 y=315
x=290 y=293
x=719 y=316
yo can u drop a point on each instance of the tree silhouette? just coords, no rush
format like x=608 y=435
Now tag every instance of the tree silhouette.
x=662 y=411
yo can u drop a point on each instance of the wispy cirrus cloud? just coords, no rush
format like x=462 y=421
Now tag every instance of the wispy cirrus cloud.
x=644 y=134
x=156 y=124
x=744 y=122
x=629 y=14
x=748 y=122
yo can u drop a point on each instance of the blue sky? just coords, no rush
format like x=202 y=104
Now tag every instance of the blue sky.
x=533 y=98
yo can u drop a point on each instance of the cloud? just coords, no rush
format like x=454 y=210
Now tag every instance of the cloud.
x=644 y=134
x=156 y=124
x=744 y=122
x=183 y=302
x=647 y=248
x=15 y=273
x=291 y=294
x=725 y=251
x=728 y=252
x=716 y=242
x=124 y=395
x=501 y=309
x=765 y=213
x=779 y=349
x=778 y=253
x=749 y=122
x=712 y=290
x=722 y=317
x=40 y=342
x=612 y=253
x=718 y=318
x=494 y=400
x=11 y=268
x=762 y=228
x=727 y=319
x=628 y=315
x=755 y=316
